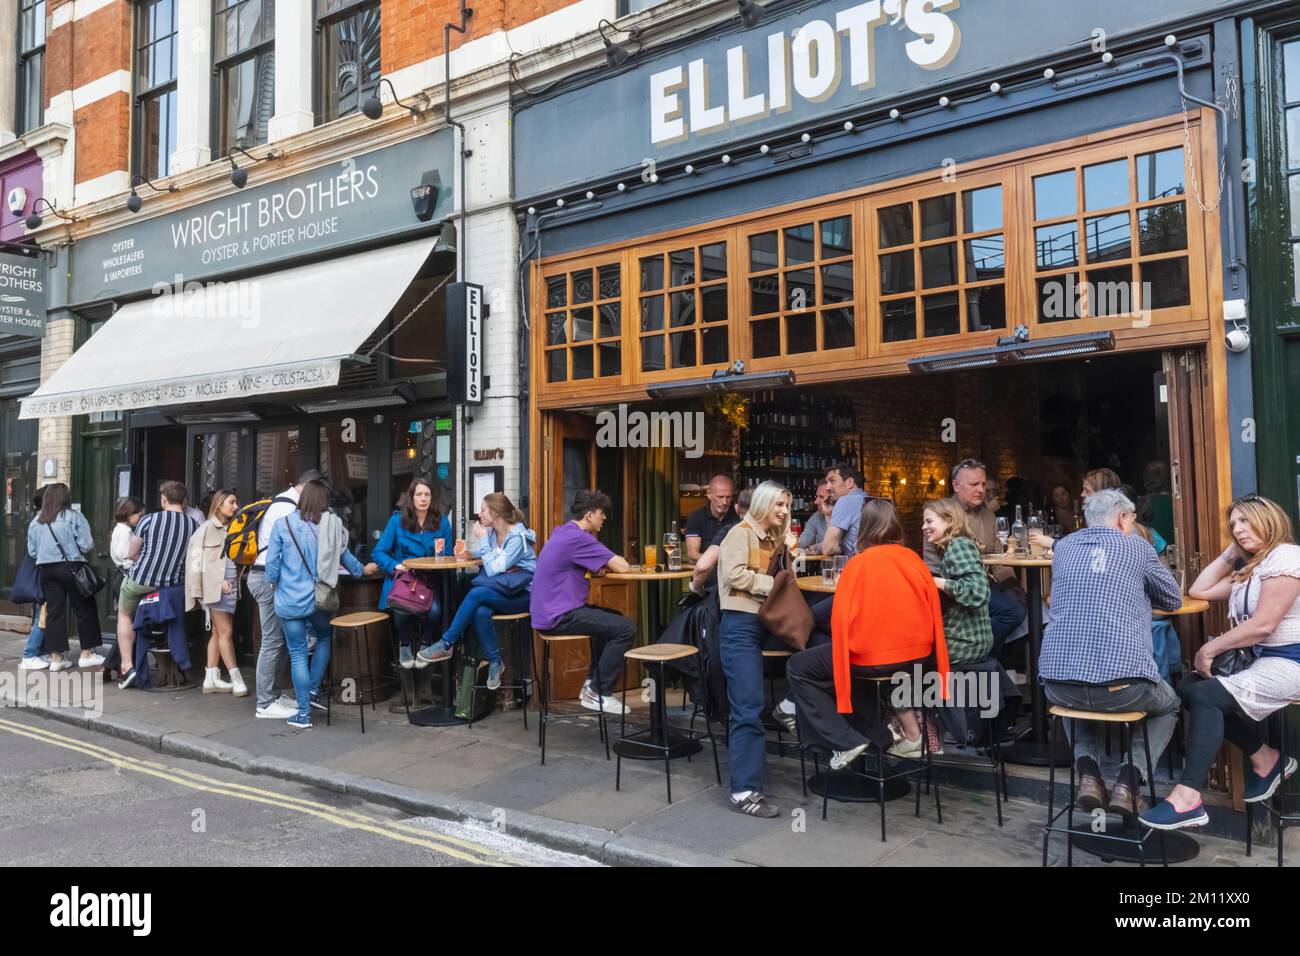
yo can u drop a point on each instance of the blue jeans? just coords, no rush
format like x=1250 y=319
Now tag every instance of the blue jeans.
x=741 y=642
x=406 y=623
x=307 y=677
x=478 y=606
x=37 y=635
x=1005 y=614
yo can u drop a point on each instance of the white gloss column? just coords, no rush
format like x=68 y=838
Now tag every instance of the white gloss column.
x=193 y=85
x=293 y=79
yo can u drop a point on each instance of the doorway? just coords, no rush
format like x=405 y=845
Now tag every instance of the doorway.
x=18 y=459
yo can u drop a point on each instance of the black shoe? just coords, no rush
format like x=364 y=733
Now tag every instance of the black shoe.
x=755 y=805
x=317 y=702
x=127 y=681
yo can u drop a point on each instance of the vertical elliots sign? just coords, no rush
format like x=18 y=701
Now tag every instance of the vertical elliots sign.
x=465 y=314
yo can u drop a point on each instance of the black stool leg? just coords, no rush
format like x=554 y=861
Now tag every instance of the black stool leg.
x=543 y=709
x=662 y=704
x=356 y=647
x=1151 y=786
x=826 y=782
x=1054 y=738
x=523 y=660
x=600 y=714
x=996 y=757
x=1069 y=816
x=929 y=769
x=1126 y=749
x=622 y=734
x=329 y=699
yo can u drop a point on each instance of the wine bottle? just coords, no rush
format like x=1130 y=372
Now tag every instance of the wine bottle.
x=1020 y=532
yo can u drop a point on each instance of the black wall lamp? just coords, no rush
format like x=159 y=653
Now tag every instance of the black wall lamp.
x=373 y=107
x=616 y=54
x=35 y=219
x=239 y=174
x=751 y=14
x=134 y=202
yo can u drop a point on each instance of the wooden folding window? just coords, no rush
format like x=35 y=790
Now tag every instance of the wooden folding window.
x=682 y=307
x=583 y=324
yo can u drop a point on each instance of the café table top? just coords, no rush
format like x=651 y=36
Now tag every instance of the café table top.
x=640 y=574
x=1191 y=605
x=814 y=557
x=445 y=563
x=815 y=582
x=1016 y=561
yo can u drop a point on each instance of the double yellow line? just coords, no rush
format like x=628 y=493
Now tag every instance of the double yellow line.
x=463 y=850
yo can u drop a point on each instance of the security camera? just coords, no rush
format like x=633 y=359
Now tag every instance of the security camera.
x=1238 y=340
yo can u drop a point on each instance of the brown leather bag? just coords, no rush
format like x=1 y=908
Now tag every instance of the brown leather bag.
x=785 y=612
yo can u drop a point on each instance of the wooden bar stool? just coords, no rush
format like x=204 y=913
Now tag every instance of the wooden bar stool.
x=543 y=703
x=523 y=679
x=1125 y=720
x=658 y=656
x=356 y=621
x=1281 y=820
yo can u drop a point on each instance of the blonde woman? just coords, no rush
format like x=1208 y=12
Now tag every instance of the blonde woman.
x=1259 y=576
x=966 y=625
x=743 y=583
x=210 y=581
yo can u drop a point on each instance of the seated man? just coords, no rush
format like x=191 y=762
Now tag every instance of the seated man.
x=823 y=506
x=845 y=483
x=703 y=524
x=559 y=597
x=1097 y=652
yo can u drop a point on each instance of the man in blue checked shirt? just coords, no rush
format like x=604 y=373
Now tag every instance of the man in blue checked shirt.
x=1097 y=652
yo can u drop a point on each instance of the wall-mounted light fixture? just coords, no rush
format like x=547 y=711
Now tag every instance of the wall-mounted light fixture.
x=239 y=174
x=134 y=202
x=373 y=107
x=616 y=54
x=751 y=14
x=35 y=219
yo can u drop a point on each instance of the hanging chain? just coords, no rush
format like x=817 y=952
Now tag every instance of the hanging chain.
x=1230 y=96
x=419 y=305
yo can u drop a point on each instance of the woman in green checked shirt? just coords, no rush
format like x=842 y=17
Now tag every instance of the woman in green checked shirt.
x=963 y=582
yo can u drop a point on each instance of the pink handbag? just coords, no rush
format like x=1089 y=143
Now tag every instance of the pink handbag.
x=410 y=593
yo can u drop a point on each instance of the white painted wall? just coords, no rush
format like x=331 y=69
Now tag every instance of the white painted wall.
x=193 y=85
x=293 y=70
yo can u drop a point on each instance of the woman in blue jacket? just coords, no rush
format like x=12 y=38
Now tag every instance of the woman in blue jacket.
x=307 y=546
x=411 y=533
x=505 y=545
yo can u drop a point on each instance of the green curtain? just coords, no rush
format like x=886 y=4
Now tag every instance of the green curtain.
x=657 y=506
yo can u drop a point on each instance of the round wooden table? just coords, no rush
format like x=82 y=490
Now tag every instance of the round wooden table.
x=815 y=582
x=444 y=716
x=1190 y=605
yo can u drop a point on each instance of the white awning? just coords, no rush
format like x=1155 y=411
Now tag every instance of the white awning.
x=282 y=332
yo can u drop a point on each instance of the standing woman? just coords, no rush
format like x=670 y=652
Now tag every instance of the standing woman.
x=211 y=581
x=1259 y=576
x=743 y=583
x=967 y=629
x=505 y=545
x=412 y=532
x=306 y=548
x=57 y=540
x=125 y=518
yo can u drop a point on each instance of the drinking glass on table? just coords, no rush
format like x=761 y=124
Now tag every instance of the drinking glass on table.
x=651 y=557
x=828 y=574
x=1004 y=532
x=439 y=546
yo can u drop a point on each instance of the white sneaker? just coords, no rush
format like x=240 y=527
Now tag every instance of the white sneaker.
x=908 y=749
x=842 y=758
x=33 y=664
x=62 y=664
x=278 y=710
x=91 y=660
x=237 y=686
x=213 y=684
x=610 y=705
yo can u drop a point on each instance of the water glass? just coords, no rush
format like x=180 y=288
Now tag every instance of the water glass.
x=439 y=546
x=828 y=574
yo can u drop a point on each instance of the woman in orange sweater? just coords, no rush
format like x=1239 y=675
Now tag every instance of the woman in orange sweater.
x=887 y=618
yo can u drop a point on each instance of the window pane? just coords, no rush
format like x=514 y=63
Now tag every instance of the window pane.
x=683 y=309
x=681 y=267
x=762 y=252
x=764 y=296
x=652 y=314
x=1160 y=174
x=898 y=320
x=1295 y=268
x=982 y=209
x=611 y=282
x=799 y=290
x=555 y=329
x=942 y=314
x=1291 y=65
x=1162 y=228
x=713 y=262
x=986 y=258
x=766 y=337
x=556 y=368
x=801 y=333
x=1058 y=298
x=714 y=346
x=652 y=273
x=1168 y=282
x=714 y=306
x=652 y=354
x=557 y=292
x=837 y=283
x=583 y=359
x=1294 y=185
x=611 y=360
x=1054 y=195
x=611 y=323
x=582 y=286
x=986 y=308
x=1058 y=246
x=939 y=265
x=1109 y=237
x=350 y=61
x=799 y=244
x=247 y=101
x=682 y=348
x=837 y=237
x=582 y=325
x=1293 y=137
x=896 y=225
x=897 y=272
x=1106 y=185
x=157 y=133
x=837 y=329
x=1110 y=291
x=938 y=217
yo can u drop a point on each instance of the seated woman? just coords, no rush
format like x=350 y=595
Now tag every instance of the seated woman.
x=412 y=532
x=887 y=618
x=505 y=545
x=966 y=625
x=1259 y=576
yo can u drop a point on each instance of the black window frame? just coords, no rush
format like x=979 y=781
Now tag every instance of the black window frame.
x=222 y=64
x=624 y=8
x=326 y=14
x=142 y=95
x=26 y=58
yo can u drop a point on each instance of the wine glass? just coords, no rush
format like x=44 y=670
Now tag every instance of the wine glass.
x=1004 y=532
x=670 y=550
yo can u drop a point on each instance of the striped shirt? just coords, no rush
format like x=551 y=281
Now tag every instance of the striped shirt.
x=165 y=534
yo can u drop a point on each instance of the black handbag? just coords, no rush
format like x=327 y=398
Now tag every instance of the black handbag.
x=1239 y=658
x=86 y=578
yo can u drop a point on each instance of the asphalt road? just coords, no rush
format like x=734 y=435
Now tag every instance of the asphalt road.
x=70 y=797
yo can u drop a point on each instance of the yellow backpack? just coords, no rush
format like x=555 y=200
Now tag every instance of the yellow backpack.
x=242 y=545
